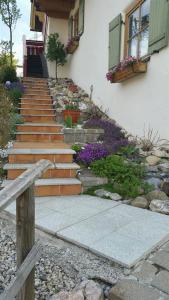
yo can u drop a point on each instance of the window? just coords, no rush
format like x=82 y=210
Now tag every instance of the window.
x=137 y=29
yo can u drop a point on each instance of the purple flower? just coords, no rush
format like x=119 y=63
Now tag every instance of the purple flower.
x=91 y=153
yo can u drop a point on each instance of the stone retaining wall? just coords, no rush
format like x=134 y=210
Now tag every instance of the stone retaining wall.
x=76 y=135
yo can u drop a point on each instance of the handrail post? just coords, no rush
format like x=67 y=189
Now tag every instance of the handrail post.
x=25 y=237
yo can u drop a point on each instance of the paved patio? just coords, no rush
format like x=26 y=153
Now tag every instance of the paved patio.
x=122 y=233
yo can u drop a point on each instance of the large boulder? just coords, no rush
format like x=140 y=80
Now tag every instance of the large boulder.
x=156 y=194
x=164 y=167
x=152 y=160
x=160 y=206
x=140 y=202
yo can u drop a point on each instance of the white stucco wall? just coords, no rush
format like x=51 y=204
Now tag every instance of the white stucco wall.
x=60 y=26
x=137 y=103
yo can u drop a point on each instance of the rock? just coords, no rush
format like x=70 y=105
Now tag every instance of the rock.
x=164 y=167
x=160 y=206
x=156 y=194
x=132 y=290
x=75 y=295
x=152 y=160
x=165 y=187
x=93 y=291
x=140 y=202
x=154 y=181
x=146 y=272
x=161 y=281
x=102 y=193
x=152 y=169
x=160 y=153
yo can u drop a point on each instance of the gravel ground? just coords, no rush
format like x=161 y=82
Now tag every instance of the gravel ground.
x=62 y=265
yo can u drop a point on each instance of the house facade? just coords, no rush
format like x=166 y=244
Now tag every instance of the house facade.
x=107 y=32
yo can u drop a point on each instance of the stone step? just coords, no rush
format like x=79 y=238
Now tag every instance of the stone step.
x=36 y=96
x=58 y=170
x=33 y=155
x=36 y=106
x=36 y=127
x=40 y=111
x=32 y=136
x=39 y=118
x=34 y=80
x=54 y=187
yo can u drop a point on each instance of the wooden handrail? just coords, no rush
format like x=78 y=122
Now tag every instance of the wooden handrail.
x=22 y=273
x=22 y=190
x=13 y=190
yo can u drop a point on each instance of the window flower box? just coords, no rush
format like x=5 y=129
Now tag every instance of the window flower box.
x=126 y=69
x=72 y=44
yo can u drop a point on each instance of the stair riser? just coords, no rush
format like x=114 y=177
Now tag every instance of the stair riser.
x=46 y=106
x=32 y=96
x=32 y=158
x=57 y=190
x=38 y=138
x=37 y=92
x=36 y=112
x=39 y=119
x=42 y=128
x=52 y=173
x=36 y=101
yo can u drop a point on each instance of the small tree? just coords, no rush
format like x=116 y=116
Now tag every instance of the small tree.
x=10 y=15
x=55 y=51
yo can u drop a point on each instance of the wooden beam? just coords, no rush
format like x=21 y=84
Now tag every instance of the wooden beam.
x=25 y=238
x=22 y=273
x=12 y=191
x=57 y=5
x=57 y=14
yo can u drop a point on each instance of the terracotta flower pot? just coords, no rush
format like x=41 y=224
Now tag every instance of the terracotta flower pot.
x=74 y=114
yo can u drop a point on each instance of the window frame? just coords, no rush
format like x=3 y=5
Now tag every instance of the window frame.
x=76 y=23
x=133 y=7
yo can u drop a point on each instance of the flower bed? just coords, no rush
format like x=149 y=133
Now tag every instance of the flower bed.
x=126 y=69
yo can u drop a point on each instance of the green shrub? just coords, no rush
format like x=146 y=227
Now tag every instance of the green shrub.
x=76 y=148
x=8 y=73
x=68 y=122
x=6 y=118
x=126 y=178
x=15 y=95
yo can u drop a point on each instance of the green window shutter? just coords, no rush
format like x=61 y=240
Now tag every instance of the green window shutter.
x=159 y=25
x=70 y=27
x=81 y=16
x=115 y=41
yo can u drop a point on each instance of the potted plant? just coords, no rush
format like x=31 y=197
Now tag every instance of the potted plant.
x=71 y=110
x=72 y=44
x=127 y=68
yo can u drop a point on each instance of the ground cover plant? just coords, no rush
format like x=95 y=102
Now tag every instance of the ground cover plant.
x=125 y=177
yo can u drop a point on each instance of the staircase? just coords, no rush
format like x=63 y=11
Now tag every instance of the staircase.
x=40 y=137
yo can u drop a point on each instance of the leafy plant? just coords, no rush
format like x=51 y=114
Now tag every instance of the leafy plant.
x=68 y=122
x=55 y=51
x=127 y=178
x=70 y=105
x=130 y=152
x=76 y=148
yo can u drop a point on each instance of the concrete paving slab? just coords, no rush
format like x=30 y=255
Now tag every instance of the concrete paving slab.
x=122 y=233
